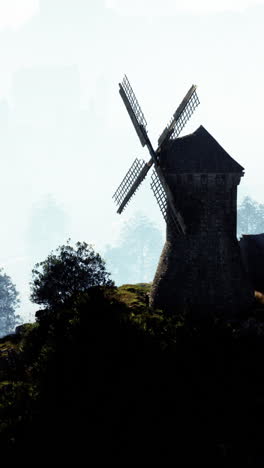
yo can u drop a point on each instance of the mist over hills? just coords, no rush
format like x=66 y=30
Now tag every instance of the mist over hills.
x=64 y=132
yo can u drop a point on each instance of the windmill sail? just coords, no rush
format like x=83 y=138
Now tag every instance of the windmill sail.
x=139 y=168
x=162 y=200
x=134 y=110
x=180 y=116
x=131 y=182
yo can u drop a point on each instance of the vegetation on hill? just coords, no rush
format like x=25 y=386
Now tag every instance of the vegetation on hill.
x=102 y=378
x=106 y=380
x=66 y=273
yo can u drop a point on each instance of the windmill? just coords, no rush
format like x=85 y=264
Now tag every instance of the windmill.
x=140 y=168
x=194 y=181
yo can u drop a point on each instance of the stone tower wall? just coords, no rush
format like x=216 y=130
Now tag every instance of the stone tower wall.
x=203 y=267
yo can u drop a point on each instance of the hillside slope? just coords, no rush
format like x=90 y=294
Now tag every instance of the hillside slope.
x=109 y=381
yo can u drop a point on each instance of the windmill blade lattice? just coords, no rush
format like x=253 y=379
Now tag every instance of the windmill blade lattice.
x=130 y=183
x=162 y=201
x=185 y=115
x=180 y=116
x=134 y=110
x=139 y=168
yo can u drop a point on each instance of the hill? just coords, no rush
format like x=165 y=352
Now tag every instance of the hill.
x=110 y=381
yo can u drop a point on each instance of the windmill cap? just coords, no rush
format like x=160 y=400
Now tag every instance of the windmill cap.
x=197 y=153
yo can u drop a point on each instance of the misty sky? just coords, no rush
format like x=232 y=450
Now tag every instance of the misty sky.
x=66 y=140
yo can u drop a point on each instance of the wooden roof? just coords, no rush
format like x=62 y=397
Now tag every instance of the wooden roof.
x=198 y=152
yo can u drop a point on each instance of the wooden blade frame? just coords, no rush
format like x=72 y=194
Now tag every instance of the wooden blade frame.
x=181 y=116
x=130 y=183
x=162 y=200
x=171 y=210
x=134 y=110
x=139 y=170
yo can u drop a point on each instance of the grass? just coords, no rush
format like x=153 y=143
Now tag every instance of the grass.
x=135 y=296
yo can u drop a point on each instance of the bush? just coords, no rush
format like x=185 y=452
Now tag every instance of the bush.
x=66 y=273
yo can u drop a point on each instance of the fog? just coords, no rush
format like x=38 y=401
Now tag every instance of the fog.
x=66 y=139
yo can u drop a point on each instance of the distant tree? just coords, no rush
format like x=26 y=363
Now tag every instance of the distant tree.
x=47 y=227
x=68 y=271
x=8 y=303
x=250 y=217
x=136 y=256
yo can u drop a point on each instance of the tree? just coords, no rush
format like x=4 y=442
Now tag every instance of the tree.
x=47 y=227
x=9 y=301
x=250 y=217
x=136 y=257
x=56 y=280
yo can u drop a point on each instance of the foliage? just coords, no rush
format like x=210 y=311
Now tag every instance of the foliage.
x=9 y=301
x=135 y=258
x=66 y=273
x=135 y=296
x=106 y=371
x=250 y=217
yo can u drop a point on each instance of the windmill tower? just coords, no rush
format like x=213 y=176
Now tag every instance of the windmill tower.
x=195 y=183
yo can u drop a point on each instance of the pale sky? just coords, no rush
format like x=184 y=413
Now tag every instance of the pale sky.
x=173 y=7
x=14 y=13
x=66 y=139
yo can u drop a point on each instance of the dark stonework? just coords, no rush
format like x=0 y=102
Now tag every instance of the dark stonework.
x=204 y=266
x=252 y=250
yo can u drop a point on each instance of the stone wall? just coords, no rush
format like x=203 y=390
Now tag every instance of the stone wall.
x=204 y=267
x=252 y=250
